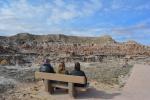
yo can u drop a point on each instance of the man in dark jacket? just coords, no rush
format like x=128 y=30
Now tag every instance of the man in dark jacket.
x=46 y=67
x=79 y=72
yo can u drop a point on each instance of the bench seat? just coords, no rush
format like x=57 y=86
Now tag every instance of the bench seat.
x=65 y=86
x=70 y=79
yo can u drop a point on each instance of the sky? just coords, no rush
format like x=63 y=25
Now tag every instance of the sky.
x=122 y=19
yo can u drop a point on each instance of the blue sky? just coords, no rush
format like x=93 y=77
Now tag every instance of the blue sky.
x=122 y=19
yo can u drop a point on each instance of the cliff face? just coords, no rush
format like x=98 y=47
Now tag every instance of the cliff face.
x=104 y=40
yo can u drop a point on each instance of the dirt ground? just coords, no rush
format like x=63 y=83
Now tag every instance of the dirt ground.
x=137 y=88
x=30 y=90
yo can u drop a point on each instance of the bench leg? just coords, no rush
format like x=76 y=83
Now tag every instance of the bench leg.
x=72 y=91
x=48 y=87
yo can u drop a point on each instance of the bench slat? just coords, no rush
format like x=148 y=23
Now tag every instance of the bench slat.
x=60 y=77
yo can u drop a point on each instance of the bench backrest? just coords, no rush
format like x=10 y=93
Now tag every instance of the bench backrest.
x=60 y=77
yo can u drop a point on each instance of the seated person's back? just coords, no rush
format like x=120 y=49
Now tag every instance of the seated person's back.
x=79 y=72
x=62 y=69
x=46 y=67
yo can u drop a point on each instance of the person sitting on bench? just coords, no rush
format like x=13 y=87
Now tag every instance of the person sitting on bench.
x=46 y=67
x=78 y=72
x=62 y=69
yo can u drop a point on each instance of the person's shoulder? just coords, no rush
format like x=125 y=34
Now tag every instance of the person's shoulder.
x=82 y=71
x=72 y=72
x=44 y=64
x=49 y=65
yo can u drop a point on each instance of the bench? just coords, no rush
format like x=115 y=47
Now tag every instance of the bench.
x=70 y=79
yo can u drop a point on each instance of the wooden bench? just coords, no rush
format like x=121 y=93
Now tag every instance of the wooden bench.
x=70 y=79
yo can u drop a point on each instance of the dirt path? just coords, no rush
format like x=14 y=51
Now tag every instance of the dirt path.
x=138 y=85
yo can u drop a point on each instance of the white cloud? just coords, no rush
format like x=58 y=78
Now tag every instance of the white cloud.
x=62 y=11
x=127 y=5
x=20 y=15
x=17 y=16
x=142 y=27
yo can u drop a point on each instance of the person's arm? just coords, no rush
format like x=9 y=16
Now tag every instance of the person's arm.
x=85 y=78
x=66 y=72
x=52 y=69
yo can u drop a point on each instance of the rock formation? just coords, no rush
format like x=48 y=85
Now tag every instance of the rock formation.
x=68 y=48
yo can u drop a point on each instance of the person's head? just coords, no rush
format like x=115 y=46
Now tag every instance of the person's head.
x=46 y=61
x=77 y=66
x=61 y=66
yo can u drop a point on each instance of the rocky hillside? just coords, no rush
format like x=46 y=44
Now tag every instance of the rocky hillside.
x=36 y=43
x=26 y=37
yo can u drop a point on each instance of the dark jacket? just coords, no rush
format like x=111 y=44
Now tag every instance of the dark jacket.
x=79 y=73
x=47 y=68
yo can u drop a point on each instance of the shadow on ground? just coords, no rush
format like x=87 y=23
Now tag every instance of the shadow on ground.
x=96 y=94
x=92 y=93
